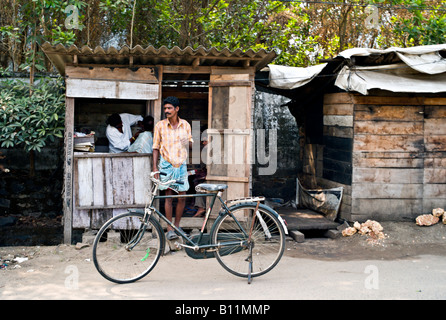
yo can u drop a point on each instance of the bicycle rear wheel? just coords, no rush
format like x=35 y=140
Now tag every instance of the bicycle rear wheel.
x=125 y=250
x=261 y=251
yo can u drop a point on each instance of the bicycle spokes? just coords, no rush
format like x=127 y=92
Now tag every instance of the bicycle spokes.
x=261 y=240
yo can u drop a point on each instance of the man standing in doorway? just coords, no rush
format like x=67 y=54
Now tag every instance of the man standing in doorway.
x=171 y=141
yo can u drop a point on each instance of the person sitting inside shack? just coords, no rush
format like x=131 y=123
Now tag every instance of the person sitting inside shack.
x=119 y=131
x=144 y=142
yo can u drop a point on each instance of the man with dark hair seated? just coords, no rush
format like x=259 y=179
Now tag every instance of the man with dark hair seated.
x=119 y=133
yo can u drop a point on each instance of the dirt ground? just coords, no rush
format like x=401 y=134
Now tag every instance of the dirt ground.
x=403 y=240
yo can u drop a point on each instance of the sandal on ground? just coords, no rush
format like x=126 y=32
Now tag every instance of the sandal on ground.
x=171 y=235
x=199 y=214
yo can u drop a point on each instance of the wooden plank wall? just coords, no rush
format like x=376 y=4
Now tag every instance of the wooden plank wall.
x=338 y=148
x=329 y=165
x=112 y=83
x=388 y=159
x=434 y=192
x=107 y=185
x=398 y=158
x=390 y=150
x=338 y=139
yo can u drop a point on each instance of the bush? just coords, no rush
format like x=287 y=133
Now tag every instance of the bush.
x=30 y=115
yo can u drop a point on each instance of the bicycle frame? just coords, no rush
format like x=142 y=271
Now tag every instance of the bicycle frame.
x=194 y=245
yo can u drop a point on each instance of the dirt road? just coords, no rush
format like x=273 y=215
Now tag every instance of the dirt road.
x=408 y=264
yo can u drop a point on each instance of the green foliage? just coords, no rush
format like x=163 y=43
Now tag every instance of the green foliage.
x=31 y=119
x=300 y=32
x=247 y=23
x=10 y=32
x=66 y=37
x=422 y=27
x=117 y=11
x=31 y=23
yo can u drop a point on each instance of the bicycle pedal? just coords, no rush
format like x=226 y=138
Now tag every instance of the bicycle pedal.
x=174 y=244
x=177 y=245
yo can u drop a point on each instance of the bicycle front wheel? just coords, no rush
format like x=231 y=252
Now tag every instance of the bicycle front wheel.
x=125 y=250
x=248 y=240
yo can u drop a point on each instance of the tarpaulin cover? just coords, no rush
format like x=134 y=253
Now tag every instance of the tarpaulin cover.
x=395 y=78
x=422 y=69
x=284 y=77
x=425 y=59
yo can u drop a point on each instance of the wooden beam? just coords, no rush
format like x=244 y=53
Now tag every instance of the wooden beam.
x=111 y=89
x=186 y=95
x=143 y=75
x=196 y=63
x=68 y=170
x=234 y=73
x=187 y=69
x=108 y=155
x=225 y=83
x=227 y=178
x=440 y=101
x=159 y=101
x=387 y=101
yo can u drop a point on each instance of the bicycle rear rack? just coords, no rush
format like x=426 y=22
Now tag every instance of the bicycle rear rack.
x=243 y=200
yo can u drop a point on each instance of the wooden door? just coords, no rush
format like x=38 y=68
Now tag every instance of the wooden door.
x=230 y=139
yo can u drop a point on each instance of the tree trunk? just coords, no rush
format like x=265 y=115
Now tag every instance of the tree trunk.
x=343 y=28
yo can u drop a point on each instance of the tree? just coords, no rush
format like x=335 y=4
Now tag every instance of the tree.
x=423 y=26
x=302 y=32
x=229 y=24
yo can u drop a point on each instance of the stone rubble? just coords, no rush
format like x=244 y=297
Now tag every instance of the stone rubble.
x=371 y=228
x=431 y=219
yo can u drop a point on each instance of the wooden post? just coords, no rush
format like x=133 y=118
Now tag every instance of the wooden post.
x=68 y=171
x=158 y=103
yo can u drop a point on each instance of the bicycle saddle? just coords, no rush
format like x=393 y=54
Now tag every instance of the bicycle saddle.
x=210 y=187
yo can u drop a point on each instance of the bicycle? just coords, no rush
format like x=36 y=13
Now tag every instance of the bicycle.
x=247 y=238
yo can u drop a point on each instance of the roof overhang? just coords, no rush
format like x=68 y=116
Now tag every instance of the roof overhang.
x=419 y=69
x=62 y=56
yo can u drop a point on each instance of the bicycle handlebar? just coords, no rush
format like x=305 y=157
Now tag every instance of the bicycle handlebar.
x=166 y=183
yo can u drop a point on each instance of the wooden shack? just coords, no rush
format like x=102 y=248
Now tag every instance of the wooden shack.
x=387 y=151
x=374 y=123
x=215 y=88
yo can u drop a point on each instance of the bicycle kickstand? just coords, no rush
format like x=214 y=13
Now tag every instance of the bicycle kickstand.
x=249 y=260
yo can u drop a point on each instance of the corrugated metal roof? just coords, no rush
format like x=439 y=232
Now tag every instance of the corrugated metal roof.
x=61 y=56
